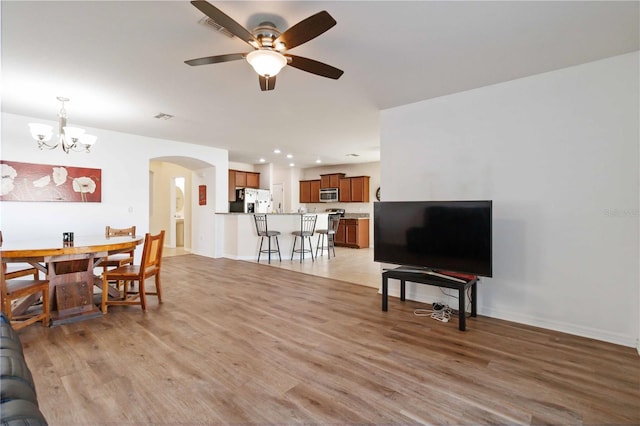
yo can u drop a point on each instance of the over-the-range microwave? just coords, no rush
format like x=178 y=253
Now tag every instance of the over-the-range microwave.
x=329 y=195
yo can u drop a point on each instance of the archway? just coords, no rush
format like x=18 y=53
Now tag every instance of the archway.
x=174 y=181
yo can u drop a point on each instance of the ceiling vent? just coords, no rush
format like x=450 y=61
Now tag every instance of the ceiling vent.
x=210 y=23
x=163 y=116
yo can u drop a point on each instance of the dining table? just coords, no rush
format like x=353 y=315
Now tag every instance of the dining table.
x=69 y=268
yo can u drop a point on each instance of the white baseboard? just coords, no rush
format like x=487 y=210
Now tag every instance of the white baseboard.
x=235 y=257
x=430 y=294
x=561 y=326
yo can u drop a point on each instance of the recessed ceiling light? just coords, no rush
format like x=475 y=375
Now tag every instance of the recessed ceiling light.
x=289 y=156
x=318 y=161
x=291 y=164
x=276 y=151
x=262 y=160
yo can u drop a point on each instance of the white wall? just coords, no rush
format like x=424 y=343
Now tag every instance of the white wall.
x=289 y=178
x=266 y=174
x=124 y=160
x=207 y=236
x=558 y=155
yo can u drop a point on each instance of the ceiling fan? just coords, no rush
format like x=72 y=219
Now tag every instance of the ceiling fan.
x=267 y=58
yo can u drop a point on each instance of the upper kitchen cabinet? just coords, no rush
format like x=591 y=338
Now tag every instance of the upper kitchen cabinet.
x=360 y=189
x=354 y=189
x=253 y=180
x=344 y=190
x=331 y=180
x=242 y=179
x=310 y=191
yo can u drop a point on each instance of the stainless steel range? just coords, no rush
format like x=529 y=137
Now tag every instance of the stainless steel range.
x=339 y=211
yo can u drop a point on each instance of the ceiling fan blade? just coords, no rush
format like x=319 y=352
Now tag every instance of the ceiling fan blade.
x=314 y=67
x=267 y=83
x=215 y=59
x=220 y=18
x=306 y=30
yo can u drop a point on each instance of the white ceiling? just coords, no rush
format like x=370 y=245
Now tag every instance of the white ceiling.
x=121 y=63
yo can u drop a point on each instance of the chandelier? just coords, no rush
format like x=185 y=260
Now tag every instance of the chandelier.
x=69 y=138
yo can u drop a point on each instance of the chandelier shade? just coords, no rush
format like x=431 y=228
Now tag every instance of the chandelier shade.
x=41 y=132
x=69 y=138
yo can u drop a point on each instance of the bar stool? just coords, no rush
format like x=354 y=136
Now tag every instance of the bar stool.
x=307 y=228
x=263 y=232
x=330 y=232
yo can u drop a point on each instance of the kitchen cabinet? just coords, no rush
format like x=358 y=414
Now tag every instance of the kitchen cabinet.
x=344 y=190
x=232 y=185
x=310 y=191
x=315 y=191
x=354 y=189
x=360 y=189
x=253 y=180
x=242 y=179
x=353 y=233
x=331 y=180
x=350 y=189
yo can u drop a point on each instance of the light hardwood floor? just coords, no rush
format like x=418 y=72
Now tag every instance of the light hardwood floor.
x=240 y=342
x=176 y=251
x=350 y=265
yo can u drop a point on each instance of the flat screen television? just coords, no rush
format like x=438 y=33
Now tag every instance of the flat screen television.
x=434 y=235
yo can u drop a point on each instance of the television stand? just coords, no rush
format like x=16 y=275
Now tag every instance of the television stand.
x=434 y=278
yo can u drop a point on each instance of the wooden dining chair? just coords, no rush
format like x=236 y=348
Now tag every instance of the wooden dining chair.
x=149 y=267
x=120 y=259
x=11 y=272
x=14 y=289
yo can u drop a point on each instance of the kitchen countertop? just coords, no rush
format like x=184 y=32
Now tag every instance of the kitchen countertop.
x=273 y=214
x=356 y=216
x=241 y=241
x=346 y=215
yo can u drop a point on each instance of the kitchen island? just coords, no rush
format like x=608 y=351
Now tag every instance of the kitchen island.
x=241 y=240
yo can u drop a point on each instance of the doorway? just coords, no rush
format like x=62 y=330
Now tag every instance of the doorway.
x=170 y=203
x=277 y=197
x=178 y=210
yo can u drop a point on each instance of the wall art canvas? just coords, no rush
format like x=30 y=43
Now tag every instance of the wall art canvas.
x=45 y=182
x=202 y=195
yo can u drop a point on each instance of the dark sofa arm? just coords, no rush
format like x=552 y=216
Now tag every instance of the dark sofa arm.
x=18 y=399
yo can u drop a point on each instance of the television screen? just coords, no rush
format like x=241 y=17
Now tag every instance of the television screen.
x=438 y=235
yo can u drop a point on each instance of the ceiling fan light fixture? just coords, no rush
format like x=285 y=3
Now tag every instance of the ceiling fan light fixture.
x=266 y=62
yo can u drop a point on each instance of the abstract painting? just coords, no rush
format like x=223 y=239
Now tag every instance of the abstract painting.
x=44 y=182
